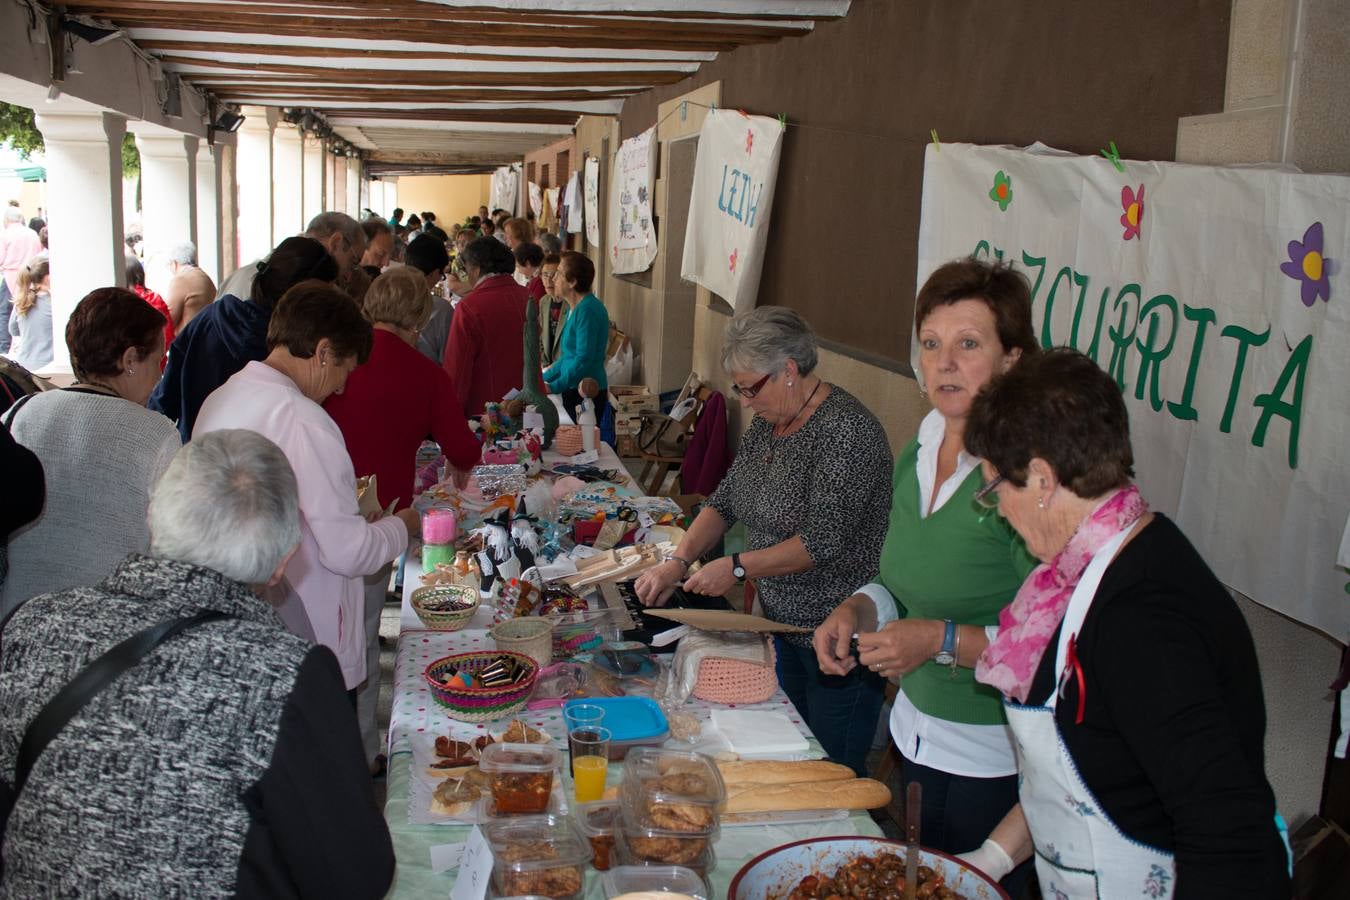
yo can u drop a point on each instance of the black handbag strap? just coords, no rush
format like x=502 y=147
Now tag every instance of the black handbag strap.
x=92 y=679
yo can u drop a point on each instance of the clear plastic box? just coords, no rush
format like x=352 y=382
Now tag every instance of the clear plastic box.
x=597 y=821
x=672 y=790
x=679 y=880
x=538 y=855
x=648 y=849
x=520 y=777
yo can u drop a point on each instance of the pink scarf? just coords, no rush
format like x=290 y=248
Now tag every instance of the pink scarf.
x=1026 y=625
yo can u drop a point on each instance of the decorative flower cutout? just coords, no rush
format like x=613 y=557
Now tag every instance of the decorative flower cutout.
x=1133 y=204
x=1308 y=265
x=749 y=141
x=1001 y=192
x=731 y=260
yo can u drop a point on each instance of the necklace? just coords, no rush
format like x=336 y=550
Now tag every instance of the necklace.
x=96 y=388
x=775 y=437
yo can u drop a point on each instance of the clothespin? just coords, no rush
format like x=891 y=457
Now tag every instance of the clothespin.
x=684 y=109
x=744 y=114
x=782 y=121
x=1114 y=157
x=712 y=107
x=937 y=145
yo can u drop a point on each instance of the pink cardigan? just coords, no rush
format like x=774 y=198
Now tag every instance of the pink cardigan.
x=322 y=595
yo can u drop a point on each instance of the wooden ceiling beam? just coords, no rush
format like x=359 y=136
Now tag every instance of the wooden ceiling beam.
x=368 y=95
x=517 y=115
x=428 y=12
x=402 y=76
x=438 y=33
x=676 y=10
x=311 y=51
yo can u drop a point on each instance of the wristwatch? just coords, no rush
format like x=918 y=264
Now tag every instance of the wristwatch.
x=736 y=568
x=947 y=655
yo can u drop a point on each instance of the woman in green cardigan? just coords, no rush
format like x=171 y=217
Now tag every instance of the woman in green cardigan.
x=947 y=567
x=585 y=335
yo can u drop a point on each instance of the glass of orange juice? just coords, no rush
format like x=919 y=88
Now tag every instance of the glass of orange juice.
x=590 y=760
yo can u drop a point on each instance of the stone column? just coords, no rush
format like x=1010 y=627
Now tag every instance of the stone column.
x=253 y=171
x=287 y=183
x=333 y=199
x=84 y=206
x=313 y=202
x=168 y=191
x=229 y=209
x=354 y=200
x=208 y=209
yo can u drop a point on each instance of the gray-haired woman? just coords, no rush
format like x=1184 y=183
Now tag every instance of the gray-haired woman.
x=811 y=482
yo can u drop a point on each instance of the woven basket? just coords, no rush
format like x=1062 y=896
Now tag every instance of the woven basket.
x=569 y=440
x=529 y=635
x=445 y=621
x=479 y=704
x=725 y=680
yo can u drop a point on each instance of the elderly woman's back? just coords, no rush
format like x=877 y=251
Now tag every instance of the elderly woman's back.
x=100 y=447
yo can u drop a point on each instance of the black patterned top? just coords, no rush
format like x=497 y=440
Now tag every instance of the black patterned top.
x=828 y=483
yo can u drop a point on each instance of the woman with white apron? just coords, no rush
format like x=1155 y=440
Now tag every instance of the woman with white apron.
x=1130 y=678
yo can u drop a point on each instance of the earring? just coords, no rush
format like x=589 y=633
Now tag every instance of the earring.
x=1040 y=503
x=130 y=371
x=789 y=382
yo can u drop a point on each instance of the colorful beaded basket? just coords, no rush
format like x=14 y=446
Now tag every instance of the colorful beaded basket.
x=480 y=704
x=445 y=620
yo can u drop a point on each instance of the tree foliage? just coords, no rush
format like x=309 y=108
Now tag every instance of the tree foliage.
x=19 y=129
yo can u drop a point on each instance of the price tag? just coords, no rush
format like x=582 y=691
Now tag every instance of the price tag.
x=585 y=458
x=475 y=868
x=445 y=857
x=645 y=519
x=532 y=421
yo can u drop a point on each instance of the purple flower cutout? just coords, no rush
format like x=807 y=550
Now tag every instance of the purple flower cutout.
x=1308 y=265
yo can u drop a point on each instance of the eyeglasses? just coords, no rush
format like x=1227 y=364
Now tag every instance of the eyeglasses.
x=751 y=392
x=987 y=496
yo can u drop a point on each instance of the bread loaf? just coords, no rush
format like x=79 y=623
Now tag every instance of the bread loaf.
x=748 y=772
x=858 y=793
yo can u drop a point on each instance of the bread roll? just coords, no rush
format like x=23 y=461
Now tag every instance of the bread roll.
x=749 y=772
x=859 y=793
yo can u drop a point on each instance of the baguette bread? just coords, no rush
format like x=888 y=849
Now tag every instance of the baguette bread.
x=751 y=772
x=858 y=793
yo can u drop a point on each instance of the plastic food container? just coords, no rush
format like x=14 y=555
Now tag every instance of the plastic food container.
x=632 y=722
x=649 y=848
x=655 y=879
x=675 y=791
x=520 y=777
x=538 y=855
x=597 y=821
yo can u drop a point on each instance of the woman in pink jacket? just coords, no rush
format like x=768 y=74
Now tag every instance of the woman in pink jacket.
x=315 y=339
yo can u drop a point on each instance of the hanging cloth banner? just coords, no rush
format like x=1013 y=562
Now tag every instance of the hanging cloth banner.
x=536 y=199
x=734 y=179
x=1219 y=300
x=572 y=203
x=632 y=233
x=505 y=189
x=591 y=200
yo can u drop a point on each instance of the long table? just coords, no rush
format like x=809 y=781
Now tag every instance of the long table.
x=415 y=716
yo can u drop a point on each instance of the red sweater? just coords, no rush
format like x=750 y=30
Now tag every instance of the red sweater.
x=485 y=352
x=389 y=406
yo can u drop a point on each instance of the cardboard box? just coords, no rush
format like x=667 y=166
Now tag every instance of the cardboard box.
x=633 y=398
x=625 y=444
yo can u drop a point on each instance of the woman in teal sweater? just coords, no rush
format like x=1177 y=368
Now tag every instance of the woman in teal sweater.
x=585 y=335
x=948 y=566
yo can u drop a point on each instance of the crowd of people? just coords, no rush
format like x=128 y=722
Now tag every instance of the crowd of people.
x=1075 y=685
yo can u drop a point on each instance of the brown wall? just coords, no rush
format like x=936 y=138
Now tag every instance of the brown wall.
x=1072 y=74
x=548 y=156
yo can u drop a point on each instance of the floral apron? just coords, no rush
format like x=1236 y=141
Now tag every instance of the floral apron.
x=1080 y=853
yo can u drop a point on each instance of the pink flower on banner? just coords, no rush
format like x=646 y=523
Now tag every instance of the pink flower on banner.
x=616 y=251
x=749 y=141
x=1308 y=265
x=732 y=259
x=1133 y=204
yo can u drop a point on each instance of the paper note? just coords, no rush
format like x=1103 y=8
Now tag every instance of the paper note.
x=581 y=551
x=511 y=395
x=475 y=869
x=532 y=421
x=585 y=458
x=445 y=857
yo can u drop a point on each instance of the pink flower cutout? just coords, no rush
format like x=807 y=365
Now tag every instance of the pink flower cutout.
x=1133 y=204
x=732 y=259
x=749 y=141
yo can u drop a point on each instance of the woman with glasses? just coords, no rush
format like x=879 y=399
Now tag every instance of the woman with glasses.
x=553 y=311
x=1129 y=674
x=810 y=483
x=948 y=564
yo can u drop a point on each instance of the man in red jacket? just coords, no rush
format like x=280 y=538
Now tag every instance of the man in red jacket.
x=485 y=352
